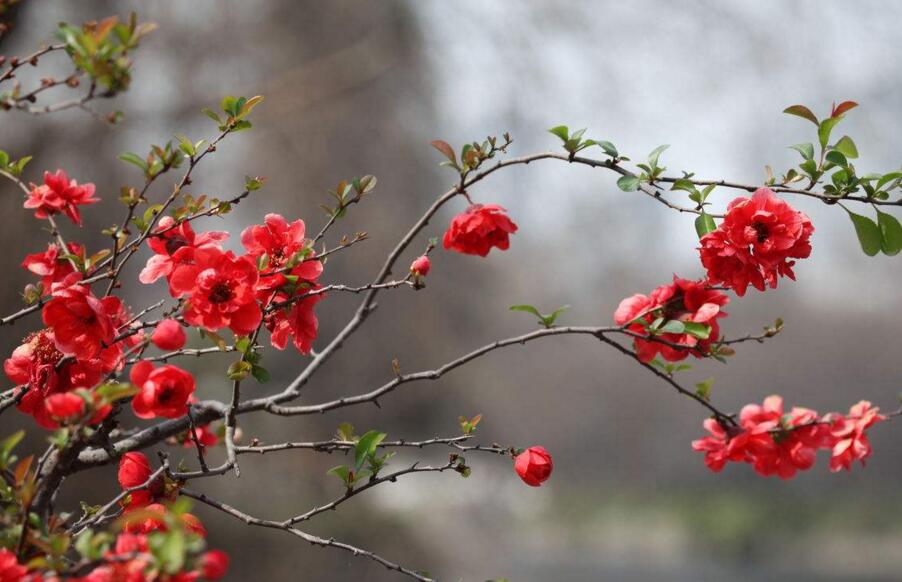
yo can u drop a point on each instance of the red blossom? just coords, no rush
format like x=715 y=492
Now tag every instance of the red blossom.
x=534 y=466
x=60 y=194
x=51 y=266
x=163 y=391
x=781 y=443
x=168 y=335
x=214 y=564
x=35 y=366
x=683 y=300
x=174 y=244
x=848 y=433
x=135 y=471
x=82 y=324
x=65 y=406
x=479 y=228
x=283 y=244
x=296 y=322
x=10 y=569
x=756 y=242
x=420 y=266
x=220 y=289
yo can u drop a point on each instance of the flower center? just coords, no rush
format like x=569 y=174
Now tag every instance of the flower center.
x=175 y=243
x=221 y=292
x=761 y=230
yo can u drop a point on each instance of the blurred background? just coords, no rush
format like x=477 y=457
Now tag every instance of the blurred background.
x=356 y=87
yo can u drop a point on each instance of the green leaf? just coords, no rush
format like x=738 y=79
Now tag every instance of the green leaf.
x=887 y=178
x=628 y=183
x=366 y=446
x=704 y=224
x=260 y=373
x=806 y=149
x=562 y=131
x=868 y=234
x=835 y=157
x=698 y=330
x=548 y=320
x=803 y=112
x=673 y=326
x=239 y=370
x=608 y=148
x=445 y=149
x=655 y=154
x=9 y=443
x=133 y=158
x=847 y=147
x=211 y=114
x=703 y=389
x=825 y=128
x=342 y=472
x=170 y=549
x=890 y=233
x=526 y=308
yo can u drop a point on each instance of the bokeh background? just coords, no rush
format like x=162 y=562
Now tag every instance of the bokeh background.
x=356 y=87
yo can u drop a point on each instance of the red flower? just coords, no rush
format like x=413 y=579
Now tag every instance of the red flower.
x=168 y=335
x=282 y=243
x=175 y=244
x=683 y=300
x=82 y=324
x=478 y=229
x=297 y=321
x=721 y=446
x=781 y=444
x=35 y=367
x=60 y=194
x=205 y=436
x=50 y=266
x=214 y=564
x=194 y=525
x=10 y=569
x=420 y=266
x=65 y=406
x=755 y=242
x=220 y=291
x=848 y=433
x=164 y=391
x=534 y=466
x=135 y=471
x=131 y=544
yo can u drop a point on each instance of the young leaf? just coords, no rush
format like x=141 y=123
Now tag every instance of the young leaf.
x=445 y=149
x=806 y=149
x=704 y=224
x=868 y=234
x=847 y=147
x=366 y=446
x=562 y=131
x=825 y=128
x=803 y=112
x=628 y=183
x=673 y=326
x=842 y=108
x=698 y=330
x=655 y=154
x=526 y=308
x=890 y=233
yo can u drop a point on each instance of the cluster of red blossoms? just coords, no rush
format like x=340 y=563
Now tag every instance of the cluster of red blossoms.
x=131 y=558
x=781 y=443
x=756 y=242
x=59 y=194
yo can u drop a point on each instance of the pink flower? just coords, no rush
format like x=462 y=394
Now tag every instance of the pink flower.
x=168 y=335
x=220 y=289
x=164 y=391
x=850 y=440
x=479 y=228
x=534 y=466
x=721 y=446
x=283 y=244
x=60 y=194
x=50 y=265
x=684 y=301
x=755 y=242
x=175 y=244
x=420 y=266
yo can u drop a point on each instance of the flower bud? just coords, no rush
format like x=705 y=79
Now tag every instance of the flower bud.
x=534 y=466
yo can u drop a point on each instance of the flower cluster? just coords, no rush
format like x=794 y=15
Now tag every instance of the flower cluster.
x=693 y=305
x=756 y=242
x=777 y=442
x=59 y=194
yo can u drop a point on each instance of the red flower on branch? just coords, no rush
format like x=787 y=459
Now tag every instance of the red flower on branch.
x=756 y=242
x=10 y=568
x=51 y=266
x=296 y=322
x=59 y=194
x=420 y=266
x=284 y=247
x=65 y=406
x=174 y=244
x=163 y=391
x=135 y=471
x=534 y=466
x=478 y=229
x=82 y=324
x=168 y=335
x=220 y=289
x=850 y=440
x=684 y=301
x=214 y=564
